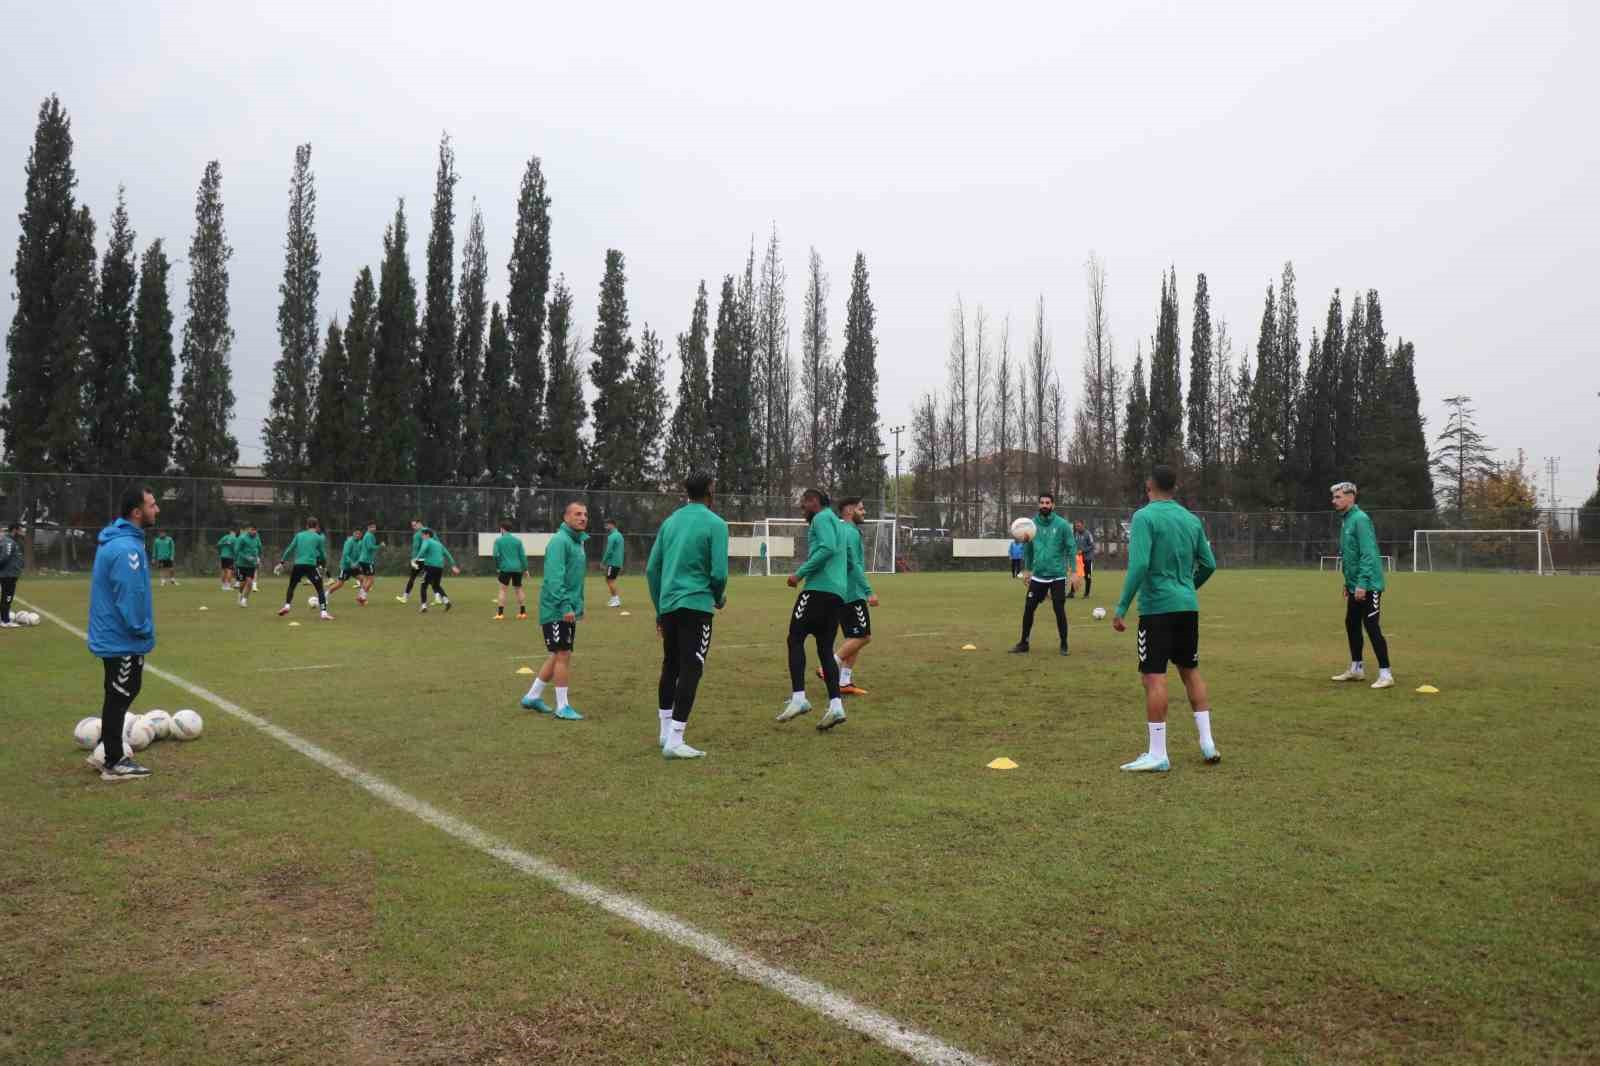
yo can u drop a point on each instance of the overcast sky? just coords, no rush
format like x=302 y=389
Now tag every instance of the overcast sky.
x=1441 y=153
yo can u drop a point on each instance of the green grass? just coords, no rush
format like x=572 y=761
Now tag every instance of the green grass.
x=1376 y=876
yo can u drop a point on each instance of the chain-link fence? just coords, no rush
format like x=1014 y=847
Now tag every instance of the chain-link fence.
x=62 y=514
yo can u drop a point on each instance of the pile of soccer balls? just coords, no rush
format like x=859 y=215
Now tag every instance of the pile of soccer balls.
x=25 y=618
x=139 y=731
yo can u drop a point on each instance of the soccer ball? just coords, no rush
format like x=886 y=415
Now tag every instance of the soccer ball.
x=1098 y=613
x=27 y=618
x=1022 y=530
x=160 y=723
x=186 y=725
x=136 y=736
x=312 y=601
x=87 y=733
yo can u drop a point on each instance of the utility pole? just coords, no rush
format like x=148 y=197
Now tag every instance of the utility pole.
x=1551 y=465
x=896 y=431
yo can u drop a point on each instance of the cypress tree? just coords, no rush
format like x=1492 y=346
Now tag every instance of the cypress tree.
x=1288 y=385
x=1135 y=433
x=335 y=447
x=1376 y=413
x=498 y=403
x=286 y=436
x=471 y=317
x=819 y=375
x=109 y=398
x=689 y=443
x=1266 y=442
x=611 y=375
x=1202 y=417
x=1348 y=392
x=857 y=468
x=529 y=283
x=392 y=440
x=150 y=430
x=437 y=400
x=1165 y=441
x=1410 y=468
x=750 y=431
x=1313 y=438
x=566 y=460
x=360 y=330
x=773 y=371
x=729 y=387
x=42 y=418
x=648 y=391
x=204 y=446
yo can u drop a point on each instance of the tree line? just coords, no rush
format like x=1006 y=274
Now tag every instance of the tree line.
x=445 y=386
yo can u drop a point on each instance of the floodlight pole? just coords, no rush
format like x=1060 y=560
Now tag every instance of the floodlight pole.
x=894 y=530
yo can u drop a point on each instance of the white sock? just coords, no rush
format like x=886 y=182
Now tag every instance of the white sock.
x=1383 y=671
x=1202 y=722
x=666 y=724
x=845 y=674
x=538 y=688
x=836 y=704
x=675 y=733
x=1158 y=739
x=1358 y=668
x=561 y=697
x=798 y=697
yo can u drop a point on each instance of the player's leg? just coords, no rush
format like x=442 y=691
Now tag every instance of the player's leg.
x=1154 y=647
x=436 y=577
x=561 y=676
x=1088 y=577
x=124 y=676
x=295 y=574
x=667 y=684
x=500 y=596
x=826 y=630
x=522 y=597
x=1058 y=603
x=322 y=594
x=554 y=637
x=611 y=585
x=1186 y=657
x=1353 y=609
x=1037 y=590
x=693 y=647
x=798 y=633
x=8 y=592
x=1370 y=620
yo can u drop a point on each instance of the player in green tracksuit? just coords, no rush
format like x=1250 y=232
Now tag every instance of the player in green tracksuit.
x=246 y=558
x=1047 y=568
x=225 y=553
x=1363 y=586
x=510 y=567
x=560 y=611
x=307 y=552
x=688 y=578
x=434 y=557
x=164 y=555
x=416 y=559
x=367 y=564
x=349 y=563
x=856 y=615
x=611 y=559
x=1168 y=559
x=817 y=609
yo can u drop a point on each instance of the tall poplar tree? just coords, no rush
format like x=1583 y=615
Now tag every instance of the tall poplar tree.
x=286 y=435
x=1376 y=413
x=690 y=446
x=109 y=398
x=205 y=447
x=436 y=401
x=1347 y=414
x=819 y=375
x=1165 y=442
x=857 y=466
x=773 y=371
x=1202 y=399
x=1406 y=479
x=497 y=401
x=1313 y=437
x=1266 y=445
x=565 y=456
x=1288 y=364
x=1136 y=433
x=749 y=363
x=336 y=442
x=647 y=390
x=528 y=281
x=391 y=430
x=472 y=316
x=150 y=430
x=611 y=373
x=732 y=401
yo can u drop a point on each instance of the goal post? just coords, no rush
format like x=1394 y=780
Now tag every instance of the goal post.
x=781 y=546
x=1505 y=550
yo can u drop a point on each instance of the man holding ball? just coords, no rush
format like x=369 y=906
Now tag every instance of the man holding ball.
x=1046 y=564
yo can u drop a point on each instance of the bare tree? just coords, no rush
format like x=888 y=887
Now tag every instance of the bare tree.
x=982 y=370
x=773 y=371
x=819 y=375
x=1056 y=410
x=1041 y=366
x=1005 y=425
x=1098 y=403
x=959 y=366
x=1222 y=405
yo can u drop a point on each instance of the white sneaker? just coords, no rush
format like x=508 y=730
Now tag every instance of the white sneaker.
x=615 y=601
x=243 y=602
x=681 y=750
x=326 y=617
x=1384 y=681
x=793 y=709
x=1350 y=675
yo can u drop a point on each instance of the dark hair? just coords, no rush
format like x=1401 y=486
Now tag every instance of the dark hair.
x=505 y=524
x=697 y=486
x=16 y=527
x=312 y=523
x=427 y=531
x=1047 y=495
x=1164 y=476
x=849 y=501
x=816 y=494
x=571 y=504
x=611 y=521
x=133 y=498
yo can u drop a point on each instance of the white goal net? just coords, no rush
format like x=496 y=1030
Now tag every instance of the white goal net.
x=1505 y=550
x=780 y=546
x=1335 y=562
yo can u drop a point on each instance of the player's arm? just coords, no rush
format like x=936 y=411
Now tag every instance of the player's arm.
x=130 y=594
x=823 y=549
x=1138 y=564
x=1027 y=553
x=652 y=575
x=1205 y=563
x=719 y=564
x=1367 y=542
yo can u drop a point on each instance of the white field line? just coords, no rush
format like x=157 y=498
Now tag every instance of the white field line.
x=290 y=669
x=919 y=1046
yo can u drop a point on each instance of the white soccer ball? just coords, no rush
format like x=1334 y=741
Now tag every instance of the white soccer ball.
x=97 y=758
x=27 y=618
x=186 y=725
x=160 y=723
x=312 y=601
x=1098 y=613
x=137 y=736
x=1022 y=529
x=87 y=733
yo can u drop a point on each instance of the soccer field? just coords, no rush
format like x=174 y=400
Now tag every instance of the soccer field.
x=1378 y=876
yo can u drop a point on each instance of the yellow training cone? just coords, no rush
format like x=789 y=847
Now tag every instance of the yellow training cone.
x=526 y=670
x=627 y=614
x=293 y=624
x=1427 y=689
x=205 y=608
x=1002 y=763
x=970 y=647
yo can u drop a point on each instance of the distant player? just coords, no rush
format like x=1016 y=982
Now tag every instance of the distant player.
x=416 y=559
x=11 y=564
x=434 y=558
x=246 y=558
x=1046 y=565
x=855 y=619
x=1085 y=541
x=511 y=566
x=225 y=553
x=612 y=560
x=1016 y=559
x=1363 y=586
x=309 y=551
x=349 y=563
x=816 y=610
x=560 y=611
x=1168 y=559
x=688 y=578
x=122 y=624
x=166 y=558
x=369 y=563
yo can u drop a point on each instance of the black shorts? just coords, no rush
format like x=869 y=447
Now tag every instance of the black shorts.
x=1039 y=588
x=304 y=572
x=1172 y=637
x=163 y=564
x=559 y=636
x=246 y=571
x=613 y=572
x=815 y=614
x=365 y=570
x=511 y=579
x=856 y=620
x=227 y=562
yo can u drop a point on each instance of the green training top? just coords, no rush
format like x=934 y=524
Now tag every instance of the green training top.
x=826 y=564
x=434 y=553
x=1358 y=552
x=1168 y=558
x=614 y=549
x=1049 y=555
x=510 y=557
x=561 y=591
x=225 y=545
x=369 y=547
x=247 y=549
x=855 y=580
x=688 y=567
x=416 y=544
x=308 y=548
x=350 y=555
x=164 y=547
